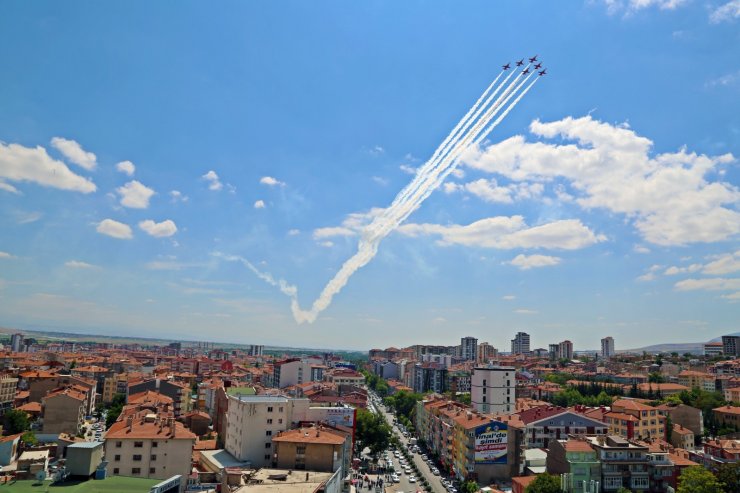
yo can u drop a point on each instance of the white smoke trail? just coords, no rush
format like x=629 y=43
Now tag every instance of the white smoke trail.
x=428 y=178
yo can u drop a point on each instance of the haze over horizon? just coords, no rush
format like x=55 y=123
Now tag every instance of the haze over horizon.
x=139 y=145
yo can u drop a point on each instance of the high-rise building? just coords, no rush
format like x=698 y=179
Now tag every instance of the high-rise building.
x=16 y=343
x=520 y=343
x=255 y=350
x=493 y=389
x=486 y=352
x=607 y=347
x=469 y=348
x=553 y=351
x=565 y=350
x=731 y=345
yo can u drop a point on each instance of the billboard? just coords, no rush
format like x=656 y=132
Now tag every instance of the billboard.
x=335 y=416
x=491 y=443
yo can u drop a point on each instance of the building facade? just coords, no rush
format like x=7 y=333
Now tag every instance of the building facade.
x=493 y=389
x=520 y=343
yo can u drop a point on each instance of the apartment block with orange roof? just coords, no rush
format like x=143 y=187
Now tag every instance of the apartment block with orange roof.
x=632 y=419
x=697 y=380
x=728 y=416
x=64 y=411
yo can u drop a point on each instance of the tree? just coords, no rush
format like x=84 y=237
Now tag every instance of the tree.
x=16 y=422
x=372 y=431
x=114 y=410
x=544 y=483
x=729 y=475
x=29 y=438
x=469 y=487
x=696 y=479
x=622 y=489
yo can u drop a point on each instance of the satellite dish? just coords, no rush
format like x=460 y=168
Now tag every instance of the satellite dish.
x=40 y=476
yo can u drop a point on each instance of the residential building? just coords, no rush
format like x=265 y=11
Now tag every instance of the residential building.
x=686 y=416
x=386 y=369
x=623 y=463
x=9 y=448
x=469 y=348
x=252 y=421
x=732 y=395
x=565 y=350
x=16 y=343
x=115 y=384
x=64 y=411
x=576 y=462
x=546 y=424
x=83 y=458
x=180 y=393
x=681 y=437
x=731 y=345
x=344 y=376
x=520 y=343
x=295 y=371
x=631 y=419
x=493 y=389
x=697 y=380
x=255 y=350
x=317 y=448
x=429 y=377
x=444 y=360
x=712 y=349
x=143 y=445
x=552 y=352
x=607 y=347
x=8 y=386
x=728 y=417
x=486 y=353
x=40 y=383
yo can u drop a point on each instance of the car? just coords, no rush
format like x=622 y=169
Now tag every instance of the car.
x=424 y=457
x=412 y=479
x=452 y=489
x=435 y=472
x=396 y=479
x=407 y=470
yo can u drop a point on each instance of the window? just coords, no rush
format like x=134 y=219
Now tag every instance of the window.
x=116 y=470
x=137 y=457
x=117 y=458
x=118 y=444
x=484 y=398
x=153 y=457
x=300 y=449
x=136 y=470
x=268 y=433
x=268 y=445
x=269 y=409
x=484 y=391
x=269 y=421
x=484 y=382
x=267 y=456
x=280 y=409
x=280 y=421
x=154 y=444
x=138 y=444
x=152 y=470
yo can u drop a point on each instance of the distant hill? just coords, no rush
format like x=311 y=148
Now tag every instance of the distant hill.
x=719 y=339
x=679 y=347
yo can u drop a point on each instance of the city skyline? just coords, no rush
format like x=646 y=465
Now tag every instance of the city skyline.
x=135 y=163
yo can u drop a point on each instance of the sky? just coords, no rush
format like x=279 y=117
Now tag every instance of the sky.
x=150 y=153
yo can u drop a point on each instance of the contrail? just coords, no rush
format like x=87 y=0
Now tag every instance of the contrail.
x=470 y=130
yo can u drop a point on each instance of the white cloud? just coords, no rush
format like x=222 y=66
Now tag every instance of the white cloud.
x=409 y=170
x=380 y=181
x=667 y=197
x=725 y=13
x=733 y=297
x=352 y=225
x=633 y=6
x=77 y=264
x=491 y=191
x=327 y=244
x=25 y=164
x=526 y=311
x=260 y=204
x=159 y=230
x=135 y=195
x=115 y=229
x=332 y=231
x=726 y=80
x=6 y=255
x=271 y=182
x=294 y=232
x=509 y=232
x=508 y=297
x=75 y=153
x=723 y=264
x=651 y=273
x=214 y=183
x=377 y=150
x=641 y=249
x=126 y=167
x=714 y=284
x=526 y=262
x=178 y=196
x=689 y=269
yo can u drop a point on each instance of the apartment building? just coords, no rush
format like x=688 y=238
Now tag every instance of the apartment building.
x=253 y=420
x=294 y=371
x=177 y=391
x=40 y=383
x=469 y=348
x=116 y=384
x=143 y=445
x=623 y=463
x=486 y=353
x=727 y=416
x=576 y=461
x=317 y=448
x=520 y=343
x=697 y=380
x=344 y=376
x=8 y=386
x=607 y=347
x=546 y=424
x=632 y=419
x=64 y=411
x=493 y=389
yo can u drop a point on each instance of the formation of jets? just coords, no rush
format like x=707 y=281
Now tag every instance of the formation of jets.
x=533 y=59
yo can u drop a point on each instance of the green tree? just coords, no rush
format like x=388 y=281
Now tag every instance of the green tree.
x=729 y=475
x=16 y=422
x=656 y=377
x=544 y=483
x=372 y=431
x=696 y=479
x=622 y=489
x=114 y=410
x=29 y=438
x=469 y=487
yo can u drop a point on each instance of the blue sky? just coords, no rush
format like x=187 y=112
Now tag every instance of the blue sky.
x=144 y=145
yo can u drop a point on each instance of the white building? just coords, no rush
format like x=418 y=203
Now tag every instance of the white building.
x=252 y=421
x=444 y=360
x=520 y=343
x=469 y=348
x=16 y=343
x=493 y=389
x=295 y=371
x=607 y=347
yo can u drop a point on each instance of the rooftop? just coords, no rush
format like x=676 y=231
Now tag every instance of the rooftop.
x=284 y=481
x=113 y=484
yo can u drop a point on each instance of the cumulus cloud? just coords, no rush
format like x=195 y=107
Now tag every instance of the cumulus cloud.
x=159 y=230
x=214 y=183
x=178 y=196
x=725 y=13
x=526 y=262
x=506 y=233
x=126 y=167
x=508 y=297
x=75 y=153
x=491 y=191
x=115 y=229
x=409 y=170
x=713 y=284
x=651 y=273
x=673 y=270
x=723 y=264
x=260 y=204
x=633 y=6
x=526 y=311
x=271 y=182
x=135 y=195
x=26 y=164
x=6 y=255
x=77 y=264
x=667 y=197
x=294 y=232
